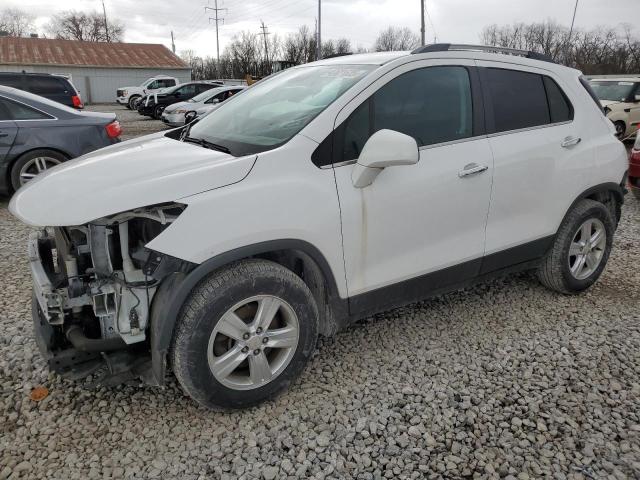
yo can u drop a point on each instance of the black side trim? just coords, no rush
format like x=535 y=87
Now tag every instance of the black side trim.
x=516 y=255
x=412 y=290
x=178 y=287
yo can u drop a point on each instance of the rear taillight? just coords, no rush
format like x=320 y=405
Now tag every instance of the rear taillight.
x=77 y=101
x=114 y=130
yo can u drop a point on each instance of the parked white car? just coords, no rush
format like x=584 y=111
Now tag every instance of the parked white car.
x=620 y=98
x=324 y=194
x=174 y=115
x=129 y=95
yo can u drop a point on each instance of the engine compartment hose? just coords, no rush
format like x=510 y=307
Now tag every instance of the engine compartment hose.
x=85 y=344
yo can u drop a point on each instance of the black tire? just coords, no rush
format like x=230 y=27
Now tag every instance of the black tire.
x=621 y=128
x=131 y=104
x=28 y=157
x=157 y=111
x=554 y=271
x=202 y=311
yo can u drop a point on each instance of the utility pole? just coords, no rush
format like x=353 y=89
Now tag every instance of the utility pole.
x=266 y=44
x=217 y=19
x=422 y=32
x=173 y=43
x=106 y=27
x=319 y=39
x=575 y=9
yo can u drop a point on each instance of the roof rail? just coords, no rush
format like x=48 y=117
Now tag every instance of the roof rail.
x=335 y=55
x=447 y=47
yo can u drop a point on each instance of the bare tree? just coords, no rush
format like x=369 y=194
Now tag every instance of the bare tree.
x=395 y=38
x=87 y=27
x=597 y=51
x=16 y=22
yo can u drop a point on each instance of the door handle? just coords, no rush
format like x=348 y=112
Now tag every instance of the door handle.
x=570 y=141
x=472 y=169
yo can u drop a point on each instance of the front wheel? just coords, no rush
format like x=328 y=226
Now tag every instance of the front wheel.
x=133 y=101
x=621 y=129
x=245 y=333
x=157 y=111
x=581 y=249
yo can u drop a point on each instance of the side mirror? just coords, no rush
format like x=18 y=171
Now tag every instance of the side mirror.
x=385 y=148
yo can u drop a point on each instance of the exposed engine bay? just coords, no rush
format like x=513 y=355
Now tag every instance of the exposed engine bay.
x=94 y=285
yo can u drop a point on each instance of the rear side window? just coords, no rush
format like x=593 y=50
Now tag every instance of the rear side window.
x=18 y=111
x=518 y=99
x=14 y=81
x=560 y=108
x=47 y=85
x=166 y=82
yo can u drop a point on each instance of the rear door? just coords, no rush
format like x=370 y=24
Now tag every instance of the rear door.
x=8 y=131
x=51 y=87
x=542 y=156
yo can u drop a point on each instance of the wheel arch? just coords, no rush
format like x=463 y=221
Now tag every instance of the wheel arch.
x=299 y=256
x=603 y=193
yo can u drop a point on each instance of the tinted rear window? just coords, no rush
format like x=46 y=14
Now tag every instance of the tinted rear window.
x=47 y=85
x=518 y=98
x=560 y=108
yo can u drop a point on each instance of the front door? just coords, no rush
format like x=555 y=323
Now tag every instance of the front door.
x=8 y=130
x=421 y=227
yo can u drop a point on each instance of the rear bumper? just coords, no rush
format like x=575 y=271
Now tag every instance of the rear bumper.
x=634 y=164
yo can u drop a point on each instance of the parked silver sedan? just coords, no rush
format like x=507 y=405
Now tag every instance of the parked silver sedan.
x=174 y=115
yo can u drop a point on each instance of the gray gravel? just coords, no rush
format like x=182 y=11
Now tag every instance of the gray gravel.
x=505 y=380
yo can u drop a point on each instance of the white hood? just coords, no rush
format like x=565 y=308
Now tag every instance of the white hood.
x=175 y=106
x=138 y=173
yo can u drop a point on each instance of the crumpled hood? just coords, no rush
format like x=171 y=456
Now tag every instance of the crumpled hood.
x=138 y=173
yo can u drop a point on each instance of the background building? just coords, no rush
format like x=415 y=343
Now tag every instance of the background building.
x=96 y=69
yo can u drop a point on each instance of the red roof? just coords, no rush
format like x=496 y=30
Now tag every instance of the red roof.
x=44 y=51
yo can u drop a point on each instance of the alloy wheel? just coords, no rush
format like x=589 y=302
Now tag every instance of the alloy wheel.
x=253 y=342
x=587 y=248
x=36 y=166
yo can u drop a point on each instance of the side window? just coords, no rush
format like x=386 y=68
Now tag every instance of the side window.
x=46 y=85
x=433 y=105
x=560 y=108
x=18 y=111
x=153 y=85
x=166 y=82
x=4 y=110
x=518 y=99
x=187 y=90
x=14 y=81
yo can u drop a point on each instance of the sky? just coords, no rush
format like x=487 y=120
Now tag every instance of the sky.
x=456 y=21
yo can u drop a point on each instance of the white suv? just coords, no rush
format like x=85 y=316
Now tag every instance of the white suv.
x=321 y=195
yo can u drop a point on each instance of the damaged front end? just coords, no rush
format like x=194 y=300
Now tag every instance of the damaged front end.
x=94 y=286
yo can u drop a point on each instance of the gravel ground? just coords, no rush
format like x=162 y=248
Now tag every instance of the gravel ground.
x=505 y=380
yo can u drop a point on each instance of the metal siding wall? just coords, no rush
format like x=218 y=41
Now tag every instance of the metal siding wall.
x=102 y=82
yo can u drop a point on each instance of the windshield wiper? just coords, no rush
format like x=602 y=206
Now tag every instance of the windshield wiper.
x=206 y=144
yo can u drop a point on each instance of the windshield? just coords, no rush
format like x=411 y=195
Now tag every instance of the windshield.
x=615 y=91
x=146 y=82
x=201 y=97
x=271 y=112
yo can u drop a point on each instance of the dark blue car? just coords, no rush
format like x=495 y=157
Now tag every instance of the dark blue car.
x=37 y=133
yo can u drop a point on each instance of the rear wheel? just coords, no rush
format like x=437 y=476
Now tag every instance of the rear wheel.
x=581 y=249
x=621 y=128
x=33 y=163
x=245 y=333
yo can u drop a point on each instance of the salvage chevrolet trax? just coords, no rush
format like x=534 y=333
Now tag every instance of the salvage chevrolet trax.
x=321 y=195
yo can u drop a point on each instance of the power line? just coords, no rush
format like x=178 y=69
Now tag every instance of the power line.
x=216 y=19
x=435 y=35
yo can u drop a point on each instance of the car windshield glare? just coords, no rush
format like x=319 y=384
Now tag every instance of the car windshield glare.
x=271 y=112
x=612 y=91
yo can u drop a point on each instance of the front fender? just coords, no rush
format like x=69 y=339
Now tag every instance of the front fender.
x=176 y=288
